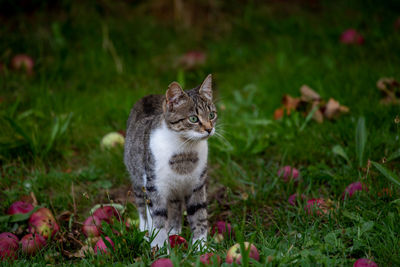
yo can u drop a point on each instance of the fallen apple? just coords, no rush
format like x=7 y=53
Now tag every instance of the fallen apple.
x=351 y=36
x=8 y=246
x=107 y=214
x=23 y=62
x=316 y=206
x=234 y=254
x=101 y=246
x=288 y=173
x=92 y=226
x=32 y=243
x=210 y=259
x=351 y=189
x=221 y=230
x=177 y=241
x=162 y=263
x=363 y=262
x=19 y=207
x=111 y=140
x=42 y=221
x=293 y=199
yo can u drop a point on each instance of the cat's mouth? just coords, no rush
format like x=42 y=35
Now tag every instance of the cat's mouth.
x=196 y=136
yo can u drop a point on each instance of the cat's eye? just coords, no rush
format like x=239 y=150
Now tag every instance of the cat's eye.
x=193 y=119
x=211 y=116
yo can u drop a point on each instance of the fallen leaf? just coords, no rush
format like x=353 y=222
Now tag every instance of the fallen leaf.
x=278 y=114
x=308 y=94
x=290 y=103
x=390 y=89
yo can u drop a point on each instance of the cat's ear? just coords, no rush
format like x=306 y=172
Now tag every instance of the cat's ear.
x=175 y=96
x=206 y=88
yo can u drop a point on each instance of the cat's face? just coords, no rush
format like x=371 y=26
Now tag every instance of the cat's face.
x=192 y=114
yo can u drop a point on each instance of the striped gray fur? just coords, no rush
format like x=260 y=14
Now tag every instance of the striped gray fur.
x=165 y=188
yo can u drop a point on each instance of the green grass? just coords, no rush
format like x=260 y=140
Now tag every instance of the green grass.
x=51 y=123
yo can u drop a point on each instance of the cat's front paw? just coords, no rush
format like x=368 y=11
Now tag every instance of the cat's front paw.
x=200 y=244
x=160 y=239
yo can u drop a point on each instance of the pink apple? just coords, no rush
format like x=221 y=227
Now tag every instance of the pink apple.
x=162 y=263
x=92 y=226
x=101 y=247
x=351 y=36
x=210 y=259
x=23 y=62
x=42 y=221
x=288 y=173
x=177 y=240
x=293 y=199
x=8 y=246
x=32 y=243
x=234 y=253
x=351 y=189
x=317 y=206
x=19 y=207
x=364 y=263
x=221 y=230
x=107 y=214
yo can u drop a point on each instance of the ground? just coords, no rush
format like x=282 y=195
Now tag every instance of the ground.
x=94 y=60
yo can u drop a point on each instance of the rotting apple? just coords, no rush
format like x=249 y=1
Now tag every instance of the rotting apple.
x=42 y=221
x=351 y=189
x=19 y=207
x=293 y=198
x=210 y=259
x=107 y=214
x=351 y=36
x=101 y=246
x=164 y=262
x=177 y=241
x=111 y=140
x=32 y=243
x=221 y=230
x=234 y=253
x=23 y=62
x=8 y=246
x=288 y=173
x=363 y=262
x=316 y=206
x=92 y=226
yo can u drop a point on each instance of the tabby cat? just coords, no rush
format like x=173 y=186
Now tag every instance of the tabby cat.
x=166 y=157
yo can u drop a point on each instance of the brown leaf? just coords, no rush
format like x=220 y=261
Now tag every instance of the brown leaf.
x=290 y=103
x=318 y=116
x=390 y=89
x=308 y=94
x=278 y=114
x=64 y=216
x=332 y=108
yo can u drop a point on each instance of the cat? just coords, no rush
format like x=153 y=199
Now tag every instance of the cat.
x=166 y=156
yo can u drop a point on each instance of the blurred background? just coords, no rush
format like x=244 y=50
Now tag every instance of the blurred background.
x=70 y=71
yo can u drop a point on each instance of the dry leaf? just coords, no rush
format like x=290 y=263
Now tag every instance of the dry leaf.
x=278 y=114
x=390 y=89
x=290 y=103
x=308 y=94
x=318 y=116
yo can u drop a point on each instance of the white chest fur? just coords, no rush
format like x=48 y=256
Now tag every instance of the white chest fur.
x=164 y=144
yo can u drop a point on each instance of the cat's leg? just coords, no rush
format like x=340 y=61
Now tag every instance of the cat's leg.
x=196 y=205
x=141 y=207
x=157 y=215
x=174 y=216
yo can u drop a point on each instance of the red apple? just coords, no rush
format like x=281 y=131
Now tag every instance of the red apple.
x=92 y=226
x=107 y=214
x=101 y=247
x=288 y=173
x=293 y=199
x=42 y=221
x=221 y=230
x=351 y=189
x=8 y=246
x=351 y=36
x=234 y=253
x=22 y=62
x=177 y=240
x=162 y=263
x=210 y=259
x=32 y=243
x=317 y=206
x=364 y=263
x=19 y=207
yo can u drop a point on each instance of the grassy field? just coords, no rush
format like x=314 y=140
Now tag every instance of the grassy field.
x=95 y=59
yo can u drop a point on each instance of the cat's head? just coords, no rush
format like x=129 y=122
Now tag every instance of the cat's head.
x=191 y=113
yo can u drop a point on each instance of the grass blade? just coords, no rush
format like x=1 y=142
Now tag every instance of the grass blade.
x=338 y=150
x=308 y=118
x=395 y=155
x=387 y=173
x=361 y=140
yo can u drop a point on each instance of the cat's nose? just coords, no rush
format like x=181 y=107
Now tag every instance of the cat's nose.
x=208 y=130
